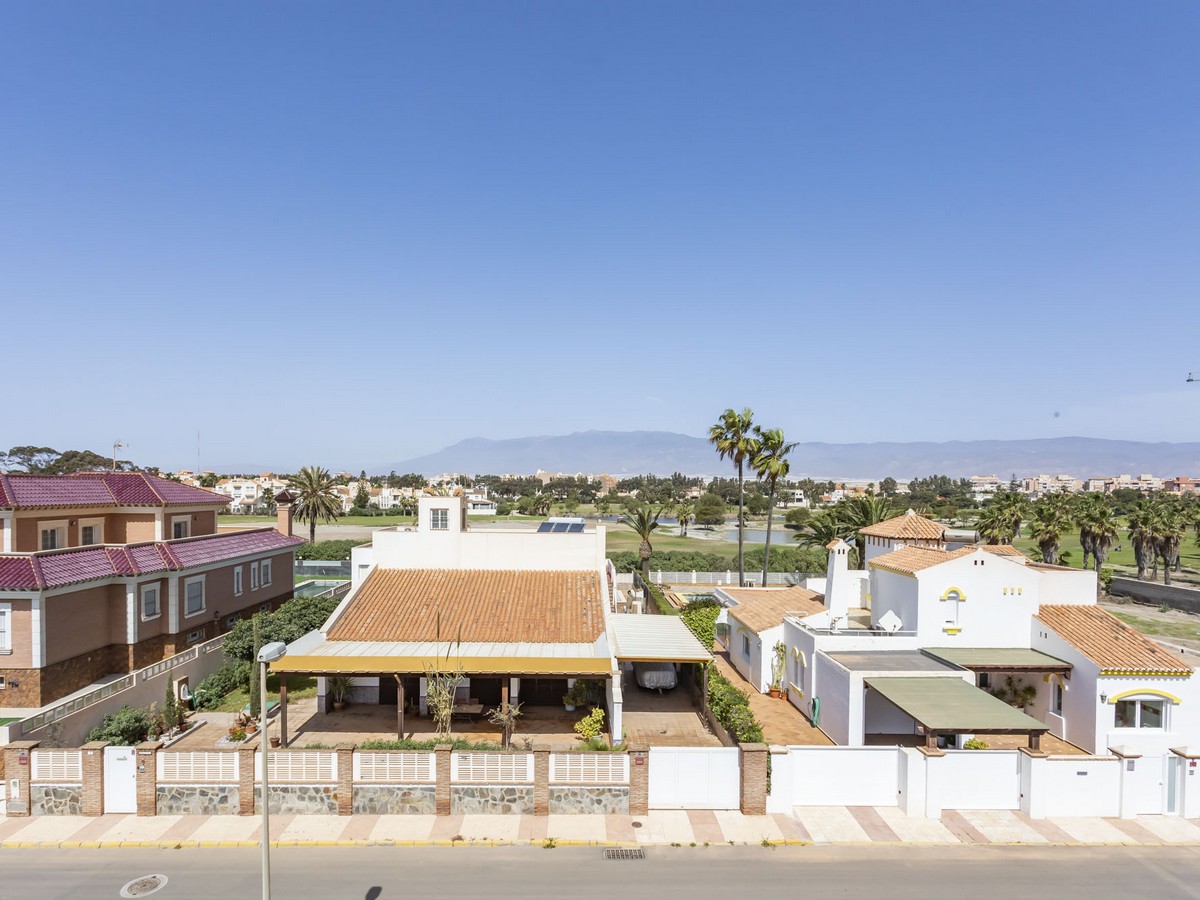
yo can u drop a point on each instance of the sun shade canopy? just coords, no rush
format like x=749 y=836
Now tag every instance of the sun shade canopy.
x=649 y=638
x=952 y=706
x=1001 y=659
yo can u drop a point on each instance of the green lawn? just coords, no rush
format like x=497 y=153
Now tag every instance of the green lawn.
x=620 y=538
x=1184 y=630
x=243 y=520
x=8 y=721
x=298 y=686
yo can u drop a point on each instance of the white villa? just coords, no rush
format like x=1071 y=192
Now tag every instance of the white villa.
x=932 y=646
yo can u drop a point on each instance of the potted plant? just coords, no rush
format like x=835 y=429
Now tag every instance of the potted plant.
x=777 y=667
x=579 y=694
x=339 y=690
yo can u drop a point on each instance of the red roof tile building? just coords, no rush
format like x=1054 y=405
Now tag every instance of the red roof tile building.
x=103 y=573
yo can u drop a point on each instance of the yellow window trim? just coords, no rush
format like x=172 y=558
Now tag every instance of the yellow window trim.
x=953 y=590
x=1153 y=692
x=798 y=655
x=950 y=630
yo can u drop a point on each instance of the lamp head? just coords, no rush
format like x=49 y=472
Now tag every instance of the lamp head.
x=273 y=651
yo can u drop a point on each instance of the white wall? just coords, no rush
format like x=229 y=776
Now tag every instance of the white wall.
x=1079 y=786
x=975 y=779
x=843 y=776
x=1000 y=597
x=1080 y=692
x=883 y=717
x=831 y=684
x=892 y=592
x=479 y=548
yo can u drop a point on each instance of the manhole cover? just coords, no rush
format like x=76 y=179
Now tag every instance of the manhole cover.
x=144 y=886
x=620 y=853
x=637 y=824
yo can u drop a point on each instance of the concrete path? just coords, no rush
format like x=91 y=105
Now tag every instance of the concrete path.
x=810 y=824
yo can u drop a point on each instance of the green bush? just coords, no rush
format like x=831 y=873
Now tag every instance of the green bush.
x=701 y=617
x=409 y=744
x=660 y=601
x=731 y=707
x=975 y=744
x=328 y=550
x=126 y=727
x=590 y=725
x=290 y=622
x=212 y=690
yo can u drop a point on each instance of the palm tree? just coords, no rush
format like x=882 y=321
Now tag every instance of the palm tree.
x=821 y=530
x=644 y=520
x=542 y=504
x=1169 y=535
x=1098 y=521
x=1142 y=529
x=734 y=440
x=1000 y=522
x=770 y=463
x=683 y=510
x=315 y=498
x=858 y=513
x=1051 y=517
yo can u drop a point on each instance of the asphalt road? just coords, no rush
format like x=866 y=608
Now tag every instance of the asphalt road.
x=696 y=873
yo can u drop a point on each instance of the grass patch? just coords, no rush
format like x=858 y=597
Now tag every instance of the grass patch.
x=620 y=537
x=1183 y=630
x=8 y=721
x=243 y=520
x=1189 y=553
x=299 y=687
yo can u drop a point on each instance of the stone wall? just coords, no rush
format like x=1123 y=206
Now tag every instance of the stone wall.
x=573 y=799
x=394 y=800
x=56 y=799
x=196 y=800
x=304 y=799
x=507 y=800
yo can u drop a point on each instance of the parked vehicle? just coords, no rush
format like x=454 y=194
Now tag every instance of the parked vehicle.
x=655 y=676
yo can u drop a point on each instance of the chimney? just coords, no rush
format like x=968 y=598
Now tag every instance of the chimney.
x=838 y=587
x=283 y=512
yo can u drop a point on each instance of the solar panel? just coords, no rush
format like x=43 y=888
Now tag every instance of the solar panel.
x=545 y=527
x=561 y=527
x=576 y=528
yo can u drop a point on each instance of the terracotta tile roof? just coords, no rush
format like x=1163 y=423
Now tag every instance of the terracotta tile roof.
x=910 y=560
x=1002 y=550
x=1108 y=642
x=474 y=605
x=762 y=608
x=101 y=489
x=59 y=568
x=908 y=526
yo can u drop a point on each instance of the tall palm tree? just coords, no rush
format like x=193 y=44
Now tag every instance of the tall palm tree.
x=1142 y=531
x=821 y=530
x=315 y=498
x=684 y=512
x=859 y=512
x=1169 y=534
x=1051 y=517
x=1001 y=521
x=1098 y=520
x=770 y=463
x=644 y=520
x=734 y=439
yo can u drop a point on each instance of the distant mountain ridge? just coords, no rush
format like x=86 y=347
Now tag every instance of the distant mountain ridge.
x=664 y=452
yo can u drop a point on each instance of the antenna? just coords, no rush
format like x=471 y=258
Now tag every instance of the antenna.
x=117 y=445
x=1192 y=377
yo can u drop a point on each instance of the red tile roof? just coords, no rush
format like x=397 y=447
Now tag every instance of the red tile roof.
x=101 y=489
x=58 y=568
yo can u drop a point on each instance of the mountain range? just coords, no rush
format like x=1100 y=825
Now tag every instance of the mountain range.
x=663 y=452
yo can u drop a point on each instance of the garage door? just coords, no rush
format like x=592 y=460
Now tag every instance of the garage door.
x=695 y=778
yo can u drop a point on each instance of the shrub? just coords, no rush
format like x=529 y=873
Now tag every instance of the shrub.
x=290 y=622
x=590 y=725
x=731 y=707
x=330 y=550
x=212 y=690
x=975 y=744
x=409 y=744
x=701 y=617
x=126 y=727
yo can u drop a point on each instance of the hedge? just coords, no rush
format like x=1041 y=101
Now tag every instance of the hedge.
x=731 y=707
x=701 y=617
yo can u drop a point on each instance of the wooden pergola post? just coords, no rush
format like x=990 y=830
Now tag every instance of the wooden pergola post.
x=1035 y=740
x=283 y=735
x=930 y=740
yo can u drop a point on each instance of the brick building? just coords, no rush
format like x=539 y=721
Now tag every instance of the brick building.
x=104 y=573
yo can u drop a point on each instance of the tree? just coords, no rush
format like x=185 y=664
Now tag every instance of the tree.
x=888 y=486
x=1001 y=520
x=362 y=497
x=1142 y=529
x=860 y=512
x=315 y=498
x=734 y=440
x=796 y=518
x=821 y=530
x=710 y=510
x=644 y=521
x=1051 y=518
x=683 y=512
x=771 y=464
x=1097 y=528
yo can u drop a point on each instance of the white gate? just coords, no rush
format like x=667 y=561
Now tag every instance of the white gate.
x=695 y=778
x=1149 y=785
x=120 y=780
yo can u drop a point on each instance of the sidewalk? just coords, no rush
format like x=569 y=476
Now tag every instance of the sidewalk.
x=811 y=824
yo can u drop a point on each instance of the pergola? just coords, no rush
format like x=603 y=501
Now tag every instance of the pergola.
x=945 y=706
x=995 y=660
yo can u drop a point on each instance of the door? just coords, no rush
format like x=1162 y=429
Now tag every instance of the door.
x=120 y=780
x=695 y=778
x=389 y=691
x=1149 y=775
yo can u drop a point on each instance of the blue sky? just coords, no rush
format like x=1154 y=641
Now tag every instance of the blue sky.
x=354 y=233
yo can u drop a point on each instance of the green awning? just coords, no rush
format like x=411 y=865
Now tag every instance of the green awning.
x=952 y=706
x=1000 y=659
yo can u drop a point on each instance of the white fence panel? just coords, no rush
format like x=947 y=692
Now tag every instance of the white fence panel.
x=491 y=768
x=299 y=766
x=975 y=779
x=198 y=766
x=589 y=768
x=844 y=776
x=695 y=778
x=56 y=765
x=408 y=767
x=1081 y=786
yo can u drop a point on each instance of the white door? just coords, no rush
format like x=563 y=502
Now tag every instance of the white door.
x=1149 y=774
x=695 y=778
x=120 y=780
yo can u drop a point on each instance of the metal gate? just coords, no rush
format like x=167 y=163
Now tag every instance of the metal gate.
x=695 y=778
x=120 y=780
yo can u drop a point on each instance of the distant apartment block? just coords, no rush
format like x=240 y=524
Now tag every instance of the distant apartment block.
x=104 y=573
x=1041 y=485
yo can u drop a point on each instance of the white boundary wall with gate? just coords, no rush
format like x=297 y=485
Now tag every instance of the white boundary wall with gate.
x=695 y=778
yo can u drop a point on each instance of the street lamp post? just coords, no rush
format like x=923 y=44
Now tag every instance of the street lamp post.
x=267 y=655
